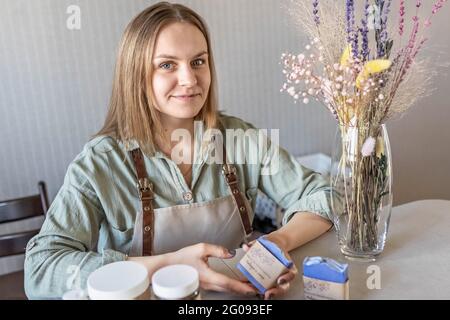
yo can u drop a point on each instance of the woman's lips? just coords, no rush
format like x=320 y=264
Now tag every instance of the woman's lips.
x=186 y=98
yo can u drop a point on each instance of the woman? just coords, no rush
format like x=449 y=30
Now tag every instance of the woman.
x=131 y=194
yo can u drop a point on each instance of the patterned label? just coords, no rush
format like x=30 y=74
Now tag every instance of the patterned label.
x=316 y=289
x=262 y=265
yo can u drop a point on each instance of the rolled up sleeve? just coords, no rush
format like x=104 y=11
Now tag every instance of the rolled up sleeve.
x=293 y=186
x=63 y=254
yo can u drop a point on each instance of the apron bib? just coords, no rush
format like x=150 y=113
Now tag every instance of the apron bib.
x=225 y=221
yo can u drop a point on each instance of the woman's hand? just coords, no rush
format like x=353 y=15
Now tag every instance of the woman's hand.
x=197 y=256
x=283 y=281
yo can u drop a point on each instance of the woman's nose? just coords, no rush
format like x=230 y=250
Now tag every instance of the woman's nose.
x=187 y=77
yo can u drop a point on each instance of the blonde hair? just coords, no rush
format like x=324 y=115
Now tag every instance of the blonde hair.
x=131 y=114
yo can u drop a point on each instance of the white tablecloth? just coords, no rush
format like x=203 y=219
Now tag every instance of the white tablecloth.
x=415 y=263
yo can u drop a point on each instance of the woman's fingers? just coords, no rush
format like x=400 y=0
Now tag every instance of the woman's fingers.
x=288 y=276
x=247 y=246
x=285 y=278
x=229 y=284
x=215 y=287
x=212 y=287
x=276 y=291
x=206 y=250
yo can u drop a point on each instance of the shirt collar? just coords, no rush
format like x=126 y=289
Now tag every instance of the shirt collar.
x=200 y=152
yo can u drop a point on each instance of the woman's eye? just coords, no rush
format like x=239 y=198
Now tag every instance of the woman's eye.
x=166 y=65
x=198 y=62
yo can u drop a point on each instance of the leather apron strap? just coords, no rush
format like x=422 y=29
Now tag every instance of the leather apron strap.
x=145 y=189
x=229 y=171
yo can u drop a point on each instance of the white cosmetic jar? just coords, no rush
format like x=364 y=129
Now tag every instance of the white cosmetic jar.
x=176 y=282
x=124 y=280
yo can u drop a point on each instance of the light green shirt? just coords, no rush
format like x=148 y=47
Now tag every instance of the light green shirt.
x=90 y=222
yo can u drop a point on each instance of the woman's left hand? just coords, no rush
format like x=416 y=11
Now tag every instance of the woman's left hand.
x=283 y=281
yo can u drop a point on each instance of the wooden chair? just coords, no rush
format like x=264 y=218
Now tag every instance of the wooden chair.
x=11 y=285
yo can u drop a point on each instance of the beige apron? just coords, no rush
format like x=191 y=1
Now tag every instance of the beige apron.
x=224 y=221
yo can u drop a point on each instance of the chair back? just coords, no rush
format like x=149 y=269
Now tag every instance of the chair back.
x=21 y=209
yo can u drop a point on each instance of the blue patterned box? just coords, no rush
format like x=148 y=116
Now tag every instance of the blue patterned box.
x=263 y=263
x=325 y=279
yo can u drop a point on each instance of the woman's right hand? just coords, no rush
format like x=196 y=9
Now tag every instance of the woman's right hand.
x=197 y=256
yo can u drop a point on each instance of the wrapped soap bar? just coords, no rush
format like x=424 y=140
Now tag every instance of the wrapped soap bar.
x=263 y=263
x=325 y=279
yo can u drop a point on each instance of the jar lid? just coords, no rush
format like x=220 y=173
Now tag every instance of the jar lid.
x=118 y=281
x=175 y=282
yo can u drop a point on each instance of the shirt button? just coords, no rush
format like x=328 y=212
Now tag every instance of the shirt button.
x=187 y=196
x=147 y=228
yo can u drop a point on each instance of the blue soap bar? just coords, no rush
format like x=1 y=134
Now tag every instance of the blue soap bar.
x=276 y=252
x=325 y=269
x=252 y=280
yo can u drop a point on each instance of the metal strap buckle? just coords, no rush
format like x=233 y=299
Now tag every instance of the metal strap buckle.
x=228 y=169
x=144 y=185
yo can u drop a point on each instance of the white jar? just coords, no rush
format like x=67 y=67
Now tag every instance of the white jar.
x=124 y=280
x=176 y=282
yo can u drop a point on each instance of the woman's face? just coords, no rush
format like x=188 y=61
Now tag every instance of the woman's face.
x=181 y=76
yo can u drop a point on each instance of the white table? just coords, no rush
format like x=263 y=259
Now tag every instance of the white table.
x=415 y=263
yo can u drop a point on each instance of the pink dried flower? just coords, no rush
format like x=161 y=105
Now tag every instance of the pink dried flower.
x=317 y=74
x=437 y=6
x=415 y=30
x=417 y=49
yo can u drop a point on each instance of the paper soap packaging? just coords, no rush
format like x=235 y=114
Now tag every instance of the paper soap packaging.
x=325 y=279
x=263 y=263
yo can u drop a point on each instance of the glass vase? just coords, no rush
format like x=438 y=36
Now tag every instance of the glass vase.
x=361 y=184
